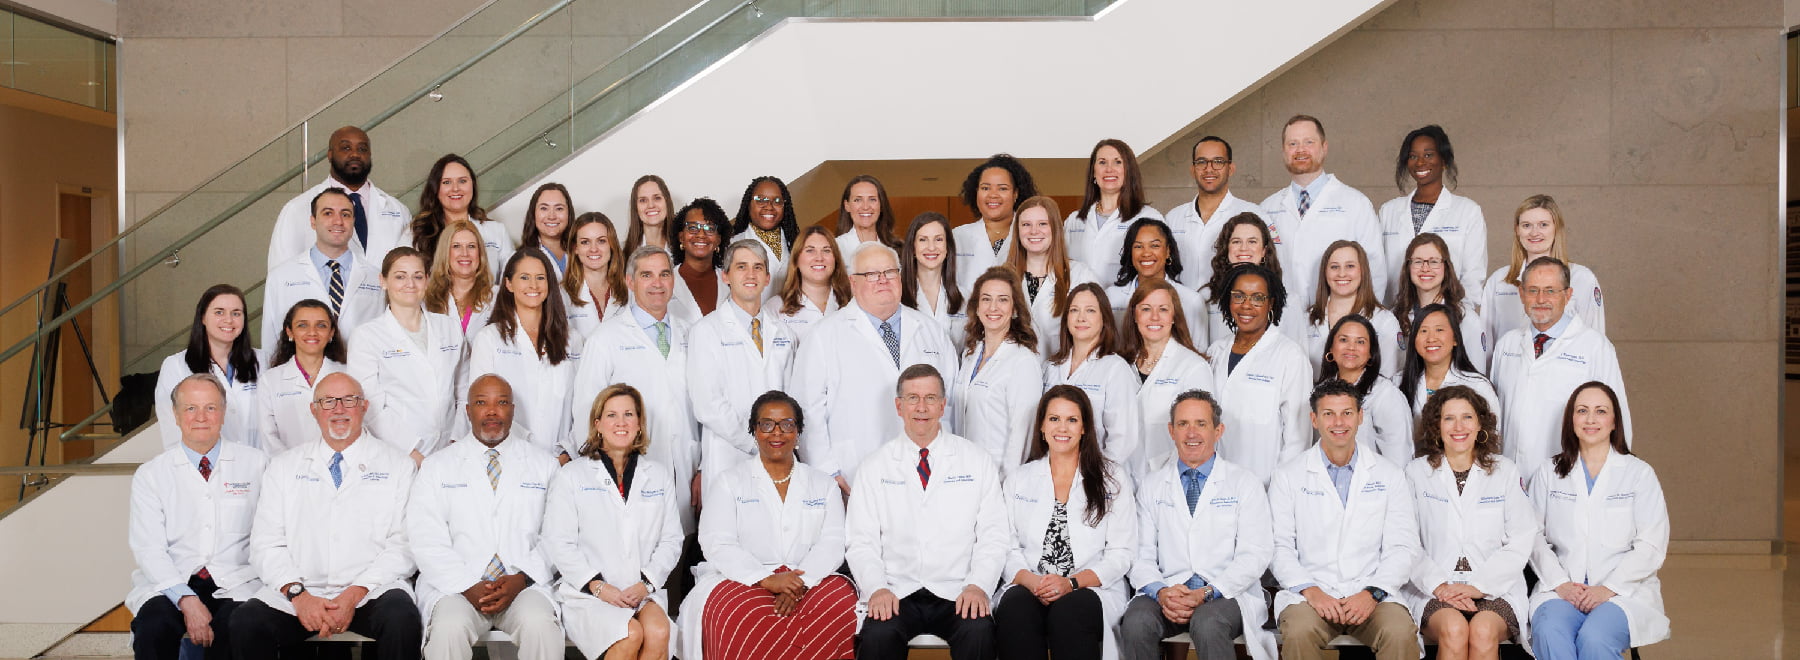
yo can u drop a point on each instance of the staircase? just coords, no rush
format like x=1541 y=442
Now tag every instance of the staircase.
x=767 y=86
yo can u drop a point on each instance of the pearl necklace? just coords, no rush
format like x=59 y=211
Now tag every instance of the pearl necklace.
x=783 y=480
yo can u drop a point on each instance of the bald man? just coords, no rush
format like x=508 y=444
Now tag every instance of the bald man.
x=382 y=223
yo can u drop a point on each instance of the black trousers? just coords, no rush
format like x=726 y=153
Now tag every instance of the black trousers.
x=157 y=629
x=923 y=613
x=1070 y=628
x=392 y=620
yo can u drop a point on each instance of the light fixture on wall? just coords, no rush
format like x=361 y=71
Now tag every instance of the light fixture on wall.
x=173 y=260
x=434 y=94
x=549 y=141
x=755 y=11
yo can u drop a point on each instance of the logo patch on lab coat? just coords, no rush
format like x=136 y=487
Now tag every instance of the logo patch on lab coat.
x=749 y=500
x=1597 y=300
x=237 y=488
x=1022 y=498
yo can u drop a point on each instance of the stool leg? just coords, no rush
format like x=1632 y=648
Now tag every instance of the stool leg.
x=1175 y=650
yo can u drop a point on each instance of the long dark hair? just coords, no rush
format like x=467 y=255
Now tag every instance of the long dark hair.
x=1221 y=259
x=530 y=236
x=428 y=225
x=1414 y=371
x=1329 y=367
x=553 y=328
x=1445 y=153
x=1023 y=187
x=634 y=235
x=1408 y=296
x=1428 y=439
x=1571 y=444
x=1109 y=330
x=714 y=215
x=909 y=262
x=199 y=350
x=789 y=227
x=791 y=291
x=1131 y=195
x=574 y=278
x=1019 y=330
x=1277 y=292
x=1128 y=269
x=1097 y=482
x=884 y=220
x=284 y=345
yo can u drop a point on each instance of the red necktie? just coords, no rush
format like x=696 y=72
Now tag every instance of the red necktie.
x=1537 y=344
x=205 y=469
x=924 y=467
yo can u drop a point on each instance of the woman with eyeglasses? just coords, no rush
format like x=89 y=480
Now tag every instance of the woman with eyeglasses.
x=309 y=348
x=217 y=344
x=1344 y=289
x=1112 y=201
x=1263 y=377
x=1437 y=359
x=699 y=259
x=1090 y=359
x=1430 y=277
x=772 y=530
x=1427 y=165
x=992 y=191
x=1002 y=374
x=766 y=213
x=928 y=280
x=1040 y=255
x=411 y=364
x=1245 y=239
x=1149 y=255
x=817 y=281
x=1538 y=231
x=528 y=343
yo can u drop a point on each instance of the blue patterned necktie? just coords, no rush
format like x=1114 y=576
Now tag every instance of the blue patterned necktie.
x=493 y=468
x=337 y=472
x=1190 y=482
x=336 y=288
x=892 y=340
x=1305 y=202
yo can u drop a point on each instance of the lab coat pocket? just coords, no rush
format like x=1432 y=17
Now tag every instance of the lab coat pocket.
x=1257 y=401
x=1617 y=524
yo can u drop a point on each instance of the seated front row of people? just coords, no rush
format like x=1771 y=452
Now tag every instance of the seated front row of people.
x=1359 y=545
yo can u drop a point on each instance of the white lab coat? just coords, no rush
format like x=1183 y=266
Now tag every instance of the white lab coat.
x=1455 y=219
x=1339 y=212
x=847 y=243
x=1193 y=308
x=1477 y=382
x=747 y=530
x=1491 y=522
x=181 y=523
x=1387 y=422
x=499 y=244
x=1267 y=414
x=975 y=253
x=590 y=530
x=1178 y=371
x=681 y=298
x=953 y=321
x=332 y=538
x=844 y=377
x=1504 y=312
x=584 y=318
x=1313 y=338
x=242 y=422
x=457 y=521
x=1108 y=549
x=478 y=317
x=622 y=352
x=1534 y=392
x=541 y=391
x=1198 y=237
x=1098 y=240
x=803 y=320
x=390 y=224
x=725 y=374
x=950 y=534
x=1112 y=388
x=996 y=408
x=284 y=405
x=777 y=266
x=1371 y=540
x=298 y=280
x=1615 y=537
x=413 y=393
x=1227 y=540
x=1044 y=318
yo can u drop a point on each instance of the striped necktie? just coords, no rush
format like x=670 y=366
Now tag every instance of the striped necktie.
x=1305 y=202
x=336 y=287
x=924 y=467
x=756 y=333
x=493 y=468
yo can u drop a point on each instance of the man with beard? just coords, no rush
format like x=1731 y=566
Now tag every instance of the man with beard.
x=473 y=527
x=1196 y=224
x=1316 y=209
x=382 y=222
x=329 y=541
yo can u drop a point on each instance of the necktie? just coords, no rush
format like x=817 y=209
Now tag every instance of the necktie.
x=892 y=340
x=924 y=467
x=493 y=468
x=1537 y=344
x=336 y=287
x=662 y=337
x=1305 y=202
x=362 y=220
x=337 y=473
x=1190 y=483
x=205 y=468
x=495 y=569
x=756 y=333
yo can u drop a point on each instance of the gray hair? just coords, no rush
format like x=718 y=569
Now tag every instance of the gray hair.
x=872 y=247
x=754 y=246
x=642 y=252
x=1198 y=395
x=1549 y=262
x=175 y=394
x=916 y=372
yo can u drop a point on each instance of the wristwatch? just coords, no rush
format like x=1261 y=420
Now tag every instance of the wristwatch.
x=1379 y=593
x=293 y=590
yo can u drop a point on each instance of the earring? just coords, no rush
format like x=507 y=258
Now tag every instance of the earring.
x=1330 y=358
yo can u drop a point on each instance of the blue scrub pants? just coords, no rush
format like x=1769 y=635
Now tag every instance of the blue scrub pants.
x=1561 y=632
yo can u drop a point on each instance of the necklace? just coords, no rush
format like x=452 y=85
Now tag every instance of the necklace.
x=1145 y=358
x=783 y=480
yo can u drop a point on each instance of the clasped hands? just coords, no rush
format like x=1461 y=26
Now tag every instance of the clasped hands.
x=1584 y=597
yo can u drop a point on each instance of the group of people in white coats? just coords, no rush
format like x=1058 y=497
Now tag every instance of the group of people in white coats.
x=1115 y=306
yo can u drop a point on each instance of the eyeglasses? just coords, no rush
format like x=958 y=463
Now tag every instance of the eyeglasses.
x=332 y=402
x=1211 y=163
x=1240 y=298
x=879 y=275
x=700 y=226
x=759 y=199
x=929 y=399
x=1427 y=263
x=1536 y=292
x=769 y=425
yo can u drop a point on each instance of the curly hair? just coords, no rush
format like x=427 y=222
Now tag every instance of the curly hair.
x=713 y=214
x=1428 y=440
x=1023 y=186
x=1019 y=330
x=1277 y=292
x=1221 y=260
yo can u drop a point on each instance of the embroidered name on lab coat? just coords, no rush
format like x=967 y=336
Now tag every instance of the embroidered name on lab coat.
x=534 y=485
x=893 y=482
x=294 y=393
x=1259 y=378
x=1022 y=498
x=782 y=342
x=1330 y=209
x=593 y=488
x=1375 y=487
x=815 y=503
x=1620 y=497
x=650 y=493
x=449 y=485
x=1559 y=495
x=368 y=287
x=731 y=343
x=1087 y=387
x=375 y=476
x=1223 y=502
x=297 y=283
x=748 y=500
x=1569 y=357
x=631 y=347
x=237 y=488
x=961 y=479
x=1493 y=499
x=1436 y=497
x=1168 y=381
x=393 y=353
x=1308 y=491
x=306 y=477
x=448 y=348
x=508 y=350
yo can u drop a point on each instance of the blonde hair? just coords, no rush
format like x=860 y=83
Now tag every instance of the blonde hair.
x=1558 y=245
x=594 y=448
x=437 y=288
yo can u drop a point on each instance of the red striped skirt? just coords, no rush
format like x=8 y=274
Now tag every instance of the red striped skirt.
x=740 y=623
